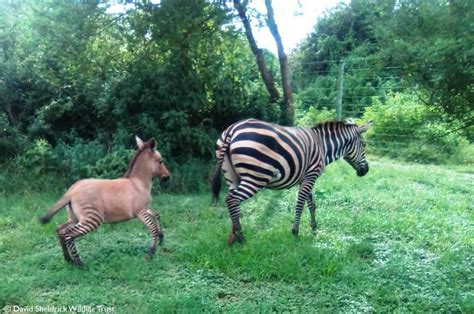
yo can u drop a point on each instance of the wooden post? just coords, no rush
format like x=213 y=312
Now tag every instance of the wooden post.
x=340 y=86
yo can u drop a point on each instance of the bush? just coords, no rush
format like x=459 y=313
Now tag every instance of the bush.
x=190 y=177
x=12 y=141
x=42 y=168
x=405 y=128
x=314 y=116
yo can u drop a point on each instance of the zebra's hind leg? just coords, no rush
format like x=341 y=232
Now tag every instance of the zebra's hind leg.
x=62 y=241
x=73 y=231
x=151 y=220
x=312 y=212
x=244 y=191
x=305 y=190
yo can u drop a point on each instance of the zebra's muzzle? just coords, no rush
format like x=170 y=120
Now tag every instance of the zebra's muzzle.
x=363 y=171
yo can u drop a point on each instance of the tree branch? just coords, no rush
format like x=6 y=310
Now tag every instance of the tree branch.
x=262 y=67
x=288 y=112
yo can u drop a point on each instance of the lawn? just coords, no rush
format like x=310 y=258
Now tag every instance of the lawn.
x=399 y=239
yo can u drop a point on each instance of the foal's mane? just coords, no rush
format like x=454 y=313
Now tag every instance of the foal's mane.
x=132 y=163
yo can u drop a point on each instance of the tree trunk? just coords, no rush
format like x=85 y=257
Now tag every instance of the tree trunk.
x=262 y=67
x=287 y=113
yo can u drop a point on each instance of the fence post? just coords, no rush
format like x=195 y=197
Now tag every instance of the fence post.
x=340 y=87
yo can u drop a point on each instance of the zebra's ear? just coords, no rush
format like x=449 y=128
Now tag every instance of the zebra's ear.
x=363 y=128
x=139 y=141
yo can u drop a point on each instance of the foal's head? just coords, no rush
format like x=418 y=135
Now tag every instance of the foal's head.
x=149 y=160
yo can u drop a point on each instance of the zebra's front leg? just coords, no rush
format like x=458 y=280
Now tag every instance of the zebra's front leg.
x=312 y=212
x=151 y=220
x=244 y=191
x=305 y=190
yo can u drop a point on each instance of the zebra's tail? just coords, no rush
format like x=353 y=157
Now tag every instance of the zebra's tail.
x=66 y=199
x=222 y=148
x=216 y=183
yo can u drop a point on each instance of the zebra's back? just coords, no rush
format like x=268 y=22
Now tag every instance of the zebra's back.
x=274 y=156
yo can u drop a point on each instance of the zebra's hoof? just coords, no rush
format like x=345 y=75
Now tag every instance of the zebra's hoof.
x=231 y=239
x=150 y=254
x=295 y=232
x=235 y=236
x=79 y=264
x=314 y=227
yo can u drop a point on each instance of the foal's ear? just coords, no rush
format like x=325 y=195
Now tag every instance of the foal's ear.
x=139 y=141
x=363 y=128
x=152 y=143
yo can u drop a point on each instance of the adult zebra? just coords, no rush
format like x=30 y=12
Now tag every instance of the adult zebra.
x=255 y=154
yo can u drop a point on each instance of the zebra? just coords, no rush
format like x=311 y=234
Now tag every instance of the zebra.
x=254 y=154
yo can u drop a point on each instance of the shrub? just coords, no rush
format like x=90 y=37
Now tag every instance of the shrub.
x=76 y=158
x=12 y=141
x=188 y=177
x=405 y=128
x=314 y=116
x=112 y=165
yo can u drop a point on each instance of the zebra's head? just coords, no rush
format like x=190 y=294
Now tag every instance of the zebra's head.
x=355 y=152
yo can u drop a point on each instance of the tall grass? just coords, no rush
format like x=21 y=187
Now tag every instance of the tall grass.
x=399 y=239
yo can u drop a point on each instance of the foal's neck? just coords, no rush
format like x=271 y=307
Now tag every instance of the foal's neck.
x=142 y=176
x=139 y=172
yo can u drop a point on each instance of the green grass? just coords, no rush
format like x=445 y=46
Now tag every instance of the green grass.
x=399 y=239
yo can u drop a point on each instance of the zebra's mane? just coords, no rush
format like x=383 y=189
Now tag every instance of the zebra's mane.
x=334 y=123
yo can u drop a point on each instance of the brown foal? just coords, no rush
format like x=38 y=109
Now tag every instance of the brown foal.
x=91 y=202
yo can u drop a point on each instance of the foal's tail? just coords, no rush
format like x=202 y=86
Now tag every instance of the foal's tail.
x=66 y=199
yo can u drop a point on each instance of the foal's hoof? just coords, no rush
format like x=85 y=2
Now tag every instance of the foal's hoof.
x=295 y=232
x=314 y=227
x=235 y=236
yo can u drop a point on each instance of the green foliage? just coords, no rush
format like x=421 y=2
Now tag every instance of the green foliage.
x=313 y=116
x=396 y=240
x=39 y=157
x=178 y=71
x=426 y=137
x=12 y=141
x=432 y=42
x=426 y=44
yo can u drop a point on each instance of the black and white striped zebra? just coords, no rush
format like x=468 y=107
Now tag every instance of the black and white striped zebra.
x=255 y=154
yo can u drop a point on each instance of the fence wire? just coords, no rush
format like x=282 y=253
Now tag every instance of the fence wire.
x=362 y=89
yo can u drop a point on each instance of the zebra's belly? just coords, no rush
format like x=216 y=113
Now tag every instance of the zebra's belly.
x=283 y=183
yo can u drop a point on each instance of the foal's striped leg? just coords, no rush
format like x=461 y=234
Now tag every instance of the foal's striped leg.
x=244 y=191
x=72 y=232
x=151 y=220
x=305 y=190
x=62 y=241
x=312 y=211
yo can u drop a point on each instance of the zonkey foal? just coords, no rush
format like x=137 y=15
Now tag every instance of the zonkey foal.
x=91 y=202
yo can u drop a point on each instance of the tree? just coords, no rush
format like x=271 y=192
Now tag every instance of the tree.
x=287 y=112
x=267 y=77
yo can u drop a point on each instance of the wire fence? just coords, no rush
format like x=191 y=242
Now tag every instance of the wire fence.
x=362 y=88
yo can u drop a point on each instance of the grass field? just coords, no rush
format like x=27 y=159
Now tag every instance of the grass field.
x=399 y=239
